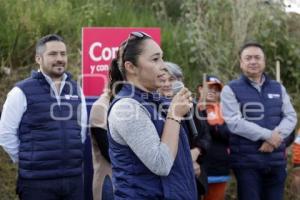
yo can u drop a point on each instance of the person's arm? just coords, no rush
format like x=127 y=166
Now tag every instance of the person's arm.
x=84 y=117
x=179 y=107
x=13 y=109
x=98 y=120
x=236 y=123
x=130 y=124
x=290 y=139
x=203 y=140
x=289 y=120
x=98 y=116
x=100 y=135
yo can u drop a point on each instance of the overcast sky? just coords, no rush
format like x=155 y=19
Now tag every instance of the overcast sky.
x=292 y=6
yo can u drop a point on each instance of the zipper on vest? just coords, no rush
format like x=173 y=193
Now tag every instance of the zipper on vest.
x=263 y=102
x=261 y=97
x=62 y=125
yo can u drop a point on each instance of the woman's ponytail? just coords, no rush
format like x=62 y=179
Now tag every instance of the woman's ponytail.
x=115 y=76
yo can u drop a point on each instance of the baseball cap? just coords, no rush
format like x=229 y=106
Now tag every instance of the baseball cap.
x=213 y=80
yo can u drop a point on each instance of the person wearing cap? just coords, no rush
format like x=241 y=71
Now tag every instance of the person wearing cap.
x=198 y=144
x=295 y=172
x=216 y=161
x=259 y=113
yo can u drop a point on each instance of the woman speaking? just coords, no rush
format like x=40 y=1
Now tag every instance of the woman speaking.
x=149 y=149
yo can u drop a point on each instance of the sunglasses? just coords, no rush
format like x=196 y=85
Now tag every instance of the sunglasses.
x=135 y=35
x=138 y=34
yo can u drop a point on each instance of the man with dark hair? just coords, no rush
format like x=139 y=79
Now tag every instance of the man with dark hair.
x=260 y=116
x=42 y=127
x=40 y=45
x=250 y=44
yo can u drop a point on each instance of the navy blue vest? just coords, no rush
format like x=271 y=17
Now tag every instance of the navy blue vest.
x=264 y=109
x=50 y=135
x=132 y=179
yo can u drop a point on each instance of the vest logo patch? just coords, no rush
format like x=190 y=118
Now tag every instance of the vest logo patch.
x=72 y=97
x=273 y=96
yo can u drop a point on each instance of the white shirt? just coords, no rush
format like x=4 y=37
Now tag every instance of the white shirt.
x=12 y=113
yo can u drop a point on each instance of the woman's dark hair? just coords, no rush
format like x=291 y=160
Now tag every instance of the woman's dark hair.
x=129 y=50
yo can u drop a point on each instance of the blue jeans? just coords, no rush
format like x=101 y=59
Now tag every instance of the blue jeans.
x=260 y=184
x=67 y=188
x=107 y=189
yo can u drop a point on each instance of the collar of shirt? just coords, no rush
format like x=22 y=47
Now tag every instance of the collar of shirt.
x=258 y=85
x=52 y=84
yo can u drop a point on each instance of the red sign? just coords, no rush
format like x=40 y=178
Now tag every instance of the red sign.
x=99 y=47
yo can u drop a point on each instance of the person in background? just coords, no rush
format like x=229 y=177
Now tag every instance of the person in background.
x=295 y=172
x=259 y=113
x=198 y=144
x=43 y=127
x=102 y=185
x=149 y=150
x=216 y=162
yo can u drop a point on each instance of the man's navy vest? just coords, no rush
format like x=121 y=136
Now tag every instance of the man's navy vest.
x=132 y=179
x=50 y=134
x=264 y=109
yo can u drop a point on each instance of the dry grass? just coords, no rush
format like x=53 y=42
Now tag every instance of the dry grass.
x=8 y=176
